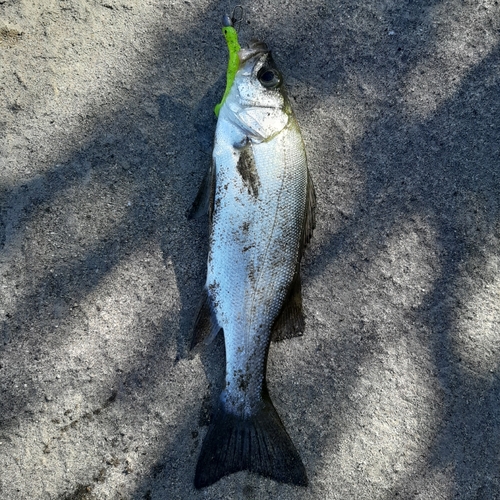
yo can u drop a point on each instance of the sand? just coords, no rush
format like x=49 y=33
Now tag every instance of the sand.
x=106 y=129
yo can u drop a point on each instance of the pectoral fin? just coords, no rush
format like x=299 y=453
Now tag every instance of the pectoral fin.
x=204 y=201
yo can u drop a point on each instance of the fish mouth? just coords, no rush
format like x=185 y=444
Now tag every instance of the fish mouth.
x=255 y=48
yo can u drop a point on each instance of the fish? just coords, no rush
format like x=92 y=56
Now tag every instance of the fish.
x=261 y=204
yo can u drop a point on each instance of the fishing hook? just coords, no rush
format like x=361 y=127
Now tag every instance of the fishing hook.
x=235 y=19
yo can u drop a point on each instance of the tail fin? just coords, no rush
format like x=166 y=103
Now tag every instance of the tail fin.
x=258 y=443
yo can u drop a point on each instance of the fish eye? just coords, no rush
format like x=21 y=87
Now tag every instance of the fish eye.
x=269 y=78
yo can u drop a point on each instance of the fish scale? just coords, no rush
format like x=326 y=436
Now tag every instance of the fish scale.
x=248 y=302
x=261 y=203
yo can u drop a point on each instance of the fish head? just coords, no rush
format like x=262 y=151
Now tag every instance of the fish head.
x=257 y=102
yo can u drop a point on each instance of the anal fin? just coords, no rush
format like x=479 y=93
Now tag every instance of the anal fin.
x=206 y=327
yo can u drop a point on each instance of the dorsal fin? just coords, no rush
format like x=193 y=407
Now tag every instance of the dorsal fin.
x=310 y=215
x=290 y=322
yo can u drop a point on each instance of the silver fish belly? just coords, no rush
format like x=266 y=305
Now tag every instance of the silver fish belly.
x=254 y=250
x=262 y=204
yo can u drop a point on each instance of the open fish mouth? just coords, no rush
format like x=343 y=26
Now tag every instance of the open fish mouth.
x=255 y=48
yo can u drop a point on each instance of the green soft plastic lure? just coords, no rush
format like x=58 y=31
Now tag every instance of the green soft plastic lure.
x=231 y=36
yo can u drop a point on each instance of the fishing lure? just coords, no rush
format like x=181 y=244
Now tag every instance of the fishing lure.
x=233 y=46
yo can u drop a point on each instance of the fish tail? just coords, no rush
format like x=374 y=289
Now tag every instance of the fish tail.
x=258 y=443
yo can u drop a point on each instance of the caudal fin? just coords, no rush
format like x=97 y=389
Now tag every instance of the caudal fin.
x=258 y=443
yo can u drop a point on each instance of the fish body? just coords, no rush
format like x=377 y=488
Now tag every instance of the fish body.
x=261 y=209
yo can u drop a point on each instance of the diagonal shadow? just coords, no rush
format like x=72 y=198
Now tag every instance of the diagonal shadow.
x=395 y=189
x=120 y=152
x=360 y=228
x=393 y=154
x=444 y=169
